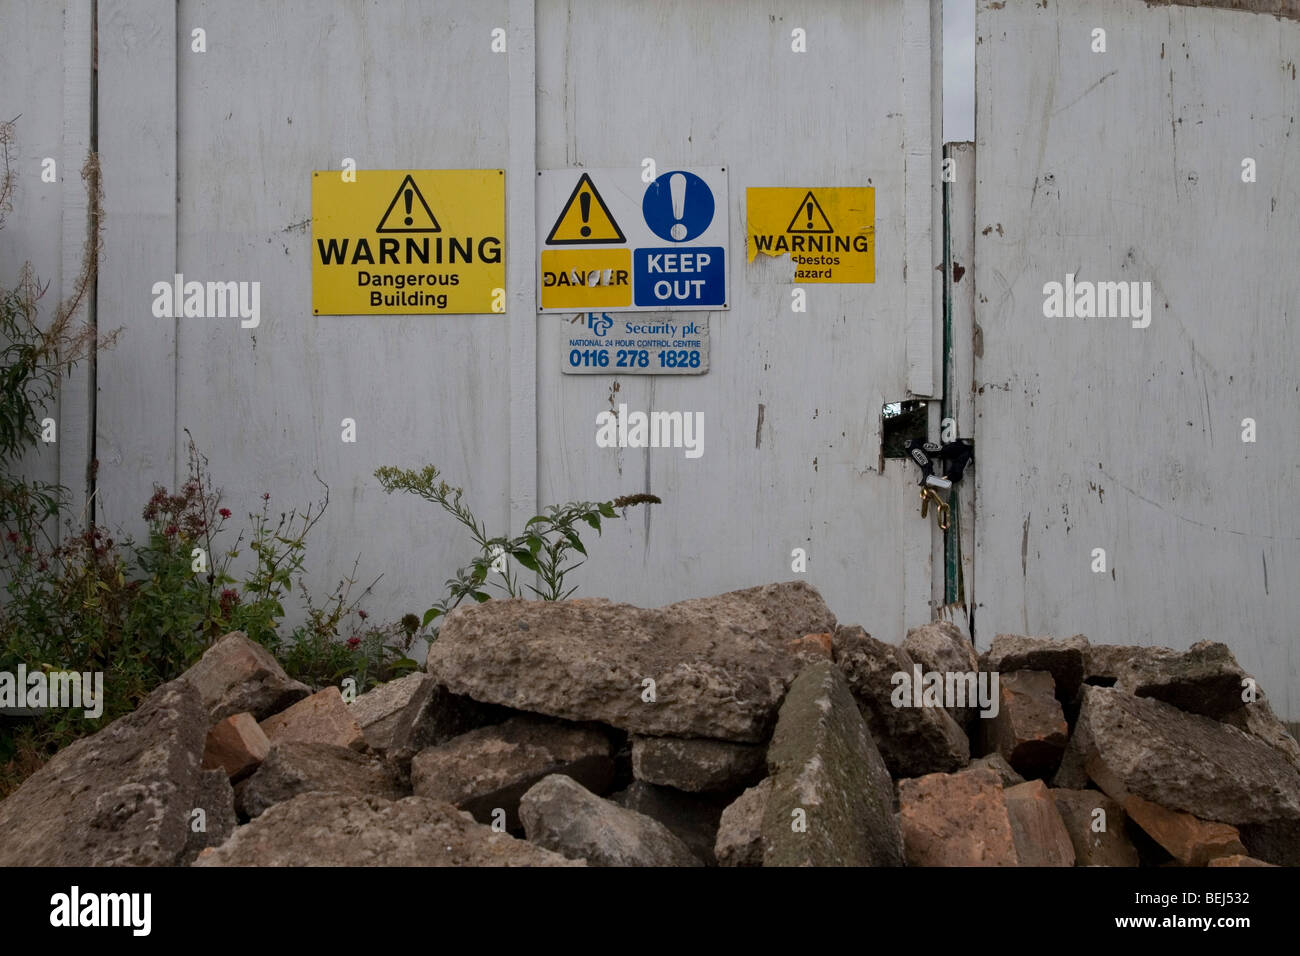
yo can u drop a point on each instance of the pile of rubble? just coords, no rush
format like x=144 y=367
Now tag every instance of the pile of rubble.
x=739 y=730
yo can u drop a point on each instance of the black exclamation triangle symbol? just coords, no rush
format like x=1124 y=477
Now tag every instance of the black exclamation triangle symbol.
x=411 y=201
x=584 y=199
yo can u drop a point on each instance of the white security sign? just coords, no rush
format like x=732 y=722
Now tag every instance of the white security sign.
x=640 y=343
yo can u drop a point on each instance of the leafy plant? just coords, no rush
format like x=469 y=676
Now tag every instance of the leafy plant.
x=34 y=359
x=545 y=547
x=140 y=611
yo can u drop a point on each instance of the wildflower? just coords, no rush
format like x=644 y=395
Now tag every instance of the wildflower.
x=13 y=537
x=224 y=512
x=171 y=531
x=266 y=496
x=354 y=643
x=157 y=502
x=362 y=614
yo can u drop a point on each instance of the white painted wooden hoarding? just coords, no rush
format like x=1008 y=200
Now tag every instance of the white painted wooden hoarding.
x=1094 y=433
x=45 y=89
x=207 y=171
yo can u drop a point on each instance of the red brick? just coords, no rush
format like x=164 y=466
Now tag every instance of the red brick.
x=322 y=718
x=957 y=819
x=1036 y=826
x=1030 y=729
x=1191 y=841
x=236 y=745
x=1093 y=847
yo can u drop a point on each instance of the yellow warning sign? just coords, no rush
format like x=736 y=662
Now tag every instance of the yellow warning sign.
x=586 y=278
x=828 y=232
x=585 y=219
x=408 y=242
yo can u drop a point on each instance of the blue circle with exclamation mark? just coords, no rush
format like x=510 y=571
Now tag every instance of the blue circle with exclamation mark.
x=678 y=206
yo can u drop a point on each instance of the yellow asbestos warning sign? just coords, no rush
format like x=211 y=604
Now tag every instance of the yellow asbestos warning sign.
x=408 y=242
x=586 y=278
x=829 y=232
x=585 y=219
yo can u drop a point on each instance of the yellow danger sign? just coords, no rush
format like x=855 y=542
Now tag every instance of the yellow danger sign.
x=586 y=278
x=828 y=232
x=585 y=219
x=408 y=242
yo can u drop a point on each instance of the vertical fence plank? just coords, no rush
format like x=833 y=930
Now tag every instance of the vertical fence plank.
x=136 y=380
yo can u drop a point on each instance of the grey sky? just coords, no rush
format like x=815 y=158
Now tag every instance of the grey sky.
x=958 y=70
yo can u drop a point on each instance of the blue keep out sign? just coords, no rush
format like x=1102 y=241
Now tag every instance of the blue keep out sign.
x=680 y=276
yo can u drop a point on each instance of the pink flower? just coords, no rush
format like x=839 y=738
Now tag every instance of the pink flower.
x=362 y=614
x=224 y=512
x=354 y=643
x=171 y=530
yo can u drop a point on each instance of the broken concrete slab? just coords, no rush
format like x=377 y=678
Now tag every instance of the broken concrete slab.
x=1141 y=746
x=740 y=829
x=1039 y=833
x=434 y=715
x=1205 y=679
x=710 y=667
x=1191 y=841
x=378 y=710
x=293 y=767
x=1257 y=719
x=236 y=744
x=1029 y=729
x=811 y=647
x=831 y=794
x=563 y=816
x=912 y=740
x=236 y=674
x=322 y=718
x=697 y=765
x=1103 y=663
x=692 y=817
x=940 y=647
x=1099 y=838
x=120 y=797
x=486 y=771
x=212 y=827
x=1063 y=658
x=347 y=830
x=957 y=819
